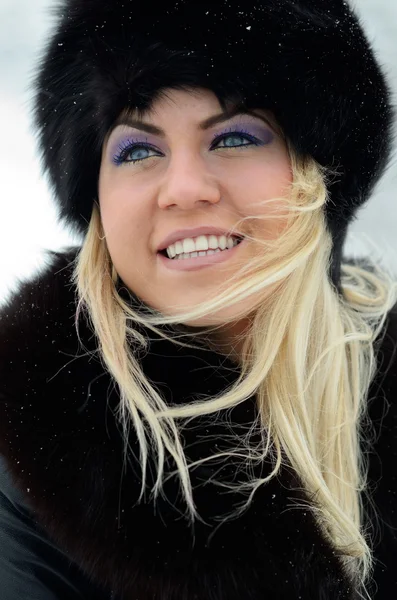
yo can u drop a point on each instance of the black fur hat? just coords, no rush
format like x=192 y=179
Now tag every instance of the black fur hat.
x=306 y=60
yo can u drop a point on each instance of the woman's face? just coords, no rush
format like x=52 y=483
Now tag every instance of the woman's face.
x=188 y=177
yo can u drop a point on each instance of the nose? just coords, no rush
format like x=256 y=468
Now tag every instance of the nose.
x=187 y=184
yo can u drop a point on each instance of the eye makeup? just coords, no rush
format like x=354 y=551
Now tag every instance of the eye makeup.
x=123 y=137
x=263 y=134
x=125 y=141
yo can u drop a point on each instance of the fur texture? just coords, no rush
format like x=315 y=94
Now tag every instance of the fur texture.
x=63 y=448
x=308 y=61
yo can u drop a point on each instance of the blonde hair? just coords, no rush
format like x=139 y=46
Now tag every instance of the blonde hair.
x=308 y=357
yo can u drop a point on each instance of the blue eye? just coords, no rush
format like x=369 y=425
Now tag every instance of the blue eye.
x=125 y=151
x=253 y=141
x=128 y=148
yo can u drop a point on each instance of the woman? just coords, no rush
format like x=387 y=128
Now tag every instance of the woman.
x=206 y=426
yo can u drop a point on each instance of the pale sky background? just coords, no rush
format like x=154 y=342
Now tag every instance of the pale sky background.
x=27 y=217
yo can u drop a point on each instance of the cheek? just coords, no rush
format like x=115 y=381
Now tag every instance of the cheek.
x=119 y=211
x=263 y=180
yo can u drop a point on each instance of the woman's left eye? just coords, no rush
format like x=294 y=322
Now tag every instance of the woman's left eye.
x=238 y=134
x=125 y=153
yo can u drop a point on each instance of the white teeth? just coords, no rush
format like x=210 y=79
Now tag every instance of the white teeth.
x=196 y=254
x=201 y=244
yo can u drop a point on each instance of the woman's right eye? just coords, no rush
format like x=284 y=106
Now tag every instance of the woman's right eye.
x=123 y=156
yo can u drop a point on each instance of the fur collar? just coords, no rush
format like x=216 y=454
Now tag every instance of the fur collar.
x=61 y=441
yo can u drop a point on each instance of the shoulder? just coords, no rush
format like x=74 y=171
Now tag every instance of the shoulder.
x=380 y=440
x=43 y=374
x=37 y=322
x=45 y=290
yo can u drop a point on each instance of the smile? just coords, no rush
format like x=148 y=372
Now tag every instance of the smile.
x=199 y=262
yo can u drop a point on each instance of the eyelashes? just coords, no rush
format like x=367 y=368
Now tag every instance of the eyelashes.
x=126 y=147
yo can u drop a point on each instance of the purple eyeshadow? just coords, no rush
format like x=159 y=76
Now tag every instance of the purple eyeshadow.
x=262 y=134
x=121 y=144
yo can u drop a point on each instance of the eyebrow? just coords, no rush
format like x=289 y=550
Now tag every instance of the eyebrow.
x=126 y=119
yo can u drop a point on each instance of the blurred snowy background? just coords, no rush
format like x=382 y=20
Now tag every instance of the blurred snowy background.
x=28 y=222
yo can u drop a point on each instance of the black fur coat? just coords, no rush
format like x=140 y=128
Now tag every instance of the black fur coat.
x=70 y=526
